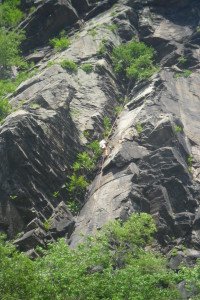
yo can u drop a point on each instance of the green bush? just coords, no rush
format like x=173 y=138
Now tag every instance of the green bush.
x=69 y=65
x=10 y=14
x=77 y=185
x=182 y=60
x=83 y=162
x=133 y=60
x=10 y=48
x=185 y=74
x=16 y=273
x=60 y=44
x=178 y=129
x=73 y=206
x=118 y=110
x=47 y=224
x=102 y=48
x=83 y=169
x=9 y=85
x=96 y=150
x=139 y=128
x=106 y=126
x=5 y=108
x=87 y=68
x=113 y=265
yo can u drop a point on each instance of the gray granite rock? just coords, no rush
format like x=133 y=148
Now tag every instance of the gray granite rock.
x=147 y=169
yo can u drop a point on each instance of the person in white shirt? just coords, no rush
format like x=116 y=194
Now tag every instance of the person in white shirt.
x=104 y=147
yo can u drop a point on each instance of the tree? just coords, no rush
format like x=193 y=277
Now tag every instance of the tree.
x=112 y=265
x=10 y=14
x=10 y=48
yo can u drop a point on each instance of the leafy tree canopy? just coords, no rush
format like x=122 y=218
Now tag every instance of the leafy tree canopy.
x=113 y=265
x=10 y=48
x=10 y=14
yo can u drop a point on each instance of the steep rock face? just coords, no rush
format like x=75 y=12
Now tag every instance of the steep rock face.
x=41 y=25
x=40 y=140
x=149 y=171
x=153 y=143
x=52 y=16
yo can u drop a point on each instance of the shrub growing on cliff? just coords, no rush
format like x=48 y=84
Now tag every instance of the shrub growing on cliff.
x=133 y=60
x=60 y=44
x=69 y=65
x=87 y=68
x=106 y=126
x=5 y=108
x=83 y=162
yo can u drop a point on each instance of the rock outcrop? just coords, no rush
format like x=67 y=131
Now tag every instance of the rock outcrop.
x=154 y=163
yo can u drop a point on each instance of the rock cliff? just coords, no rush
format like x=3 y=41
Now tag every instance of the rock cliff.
x=154 y=161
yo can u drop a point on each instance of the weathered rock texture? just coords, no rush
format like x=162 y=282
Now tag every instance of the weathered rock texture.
x=147 y=171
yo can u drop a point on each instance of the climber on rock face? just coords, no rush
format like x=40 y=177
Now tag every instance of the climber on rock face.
x=104 y=147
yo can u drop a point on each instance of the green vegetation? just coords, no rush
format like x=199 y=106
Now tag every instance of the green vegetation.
x=32 y=10
x=87 y=68
x=13 y=197
x=190 y=160
x=106 y=126
x=95 y=150
x=69 y=65
x=10 y=14
x=35 y=105
x=47 y=224
x=198 y=29
x=83 y=162
x=174 y=252
x=5 y=109
x=139 y=128
x=182 y=60
x=86 y=134
x=185 y=74
x=113 y=14
x=9 y=86
x=113 y=265
x=133 y=60
x=73 y=206
x=92 y=32
x=56 y=194
x=77 y=185
x=178 y=128
x=51 y=63
x=102 y=48
x=111 y=27
x=74 y=112
x=118 y=110
x=61 y=43
x=10 y=42
x=10 y=48
x=82 y=170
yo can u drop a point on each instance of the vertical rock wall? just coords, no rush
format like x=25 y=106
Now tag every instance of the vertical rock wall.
x=150 y=170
